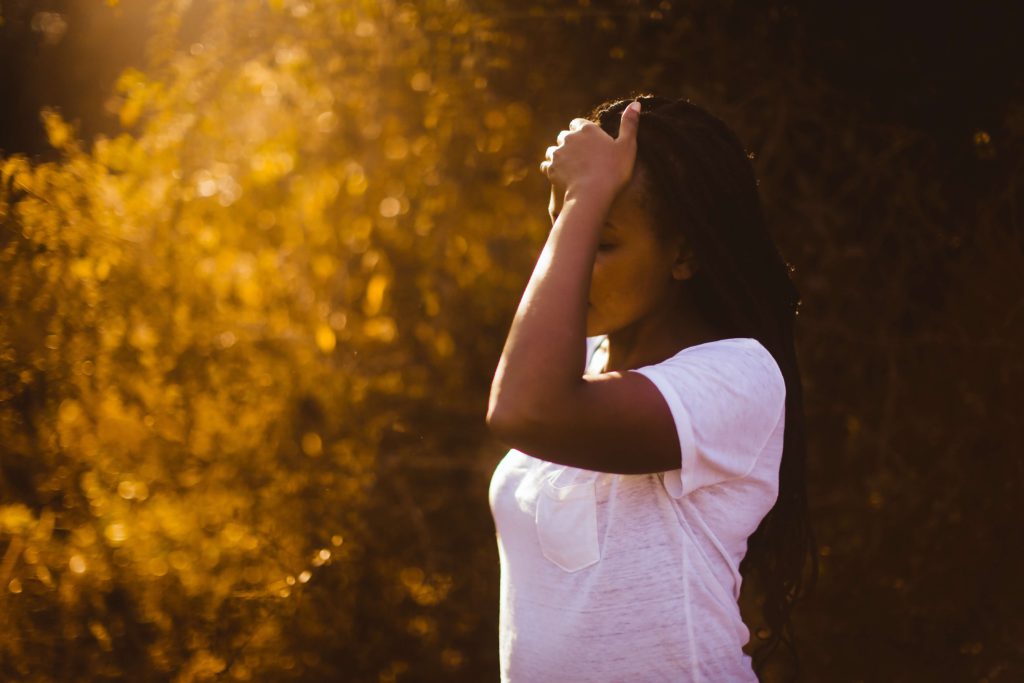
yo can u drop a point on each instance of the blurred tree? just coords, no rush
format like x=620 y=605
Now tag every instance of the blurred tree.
x=232 y=325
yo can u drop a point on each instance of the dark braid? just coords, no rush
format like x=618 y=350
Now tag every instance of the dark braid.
x=700 y=182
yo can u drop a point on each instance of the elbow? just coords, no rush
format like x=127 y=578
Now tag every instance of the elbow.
x=508 y=423
x=499 y=423
x=499 y=414
x=514 y=421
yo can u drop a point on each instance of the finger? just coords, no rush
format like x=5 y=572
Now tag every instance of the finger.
x=574 y=126
x=630 y=121
x=549 y=153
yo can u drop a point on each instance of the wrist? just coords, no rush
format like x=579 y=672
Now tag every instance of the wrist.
x=591 y=192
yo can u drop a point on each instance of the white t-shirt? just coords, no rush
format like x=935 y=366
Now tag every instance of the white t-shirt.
x=635 y=577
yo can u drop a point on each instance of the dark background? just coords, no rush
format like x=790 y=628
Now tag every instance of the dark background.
x=945 y=69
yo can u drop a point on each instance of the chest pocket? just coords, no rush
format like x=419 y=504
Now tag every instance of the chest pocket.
x=566 y=520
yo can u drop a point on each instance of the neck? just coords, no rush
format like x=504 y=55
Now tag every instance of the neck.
x=659 y=335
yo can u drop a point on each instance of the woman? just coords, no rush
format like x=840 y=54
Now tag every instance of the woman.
x=650 y=389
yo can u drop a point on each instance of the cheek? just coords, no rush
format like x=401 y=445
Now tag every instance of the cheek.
x=611 y=282
x=599 y=280
x=622 y=281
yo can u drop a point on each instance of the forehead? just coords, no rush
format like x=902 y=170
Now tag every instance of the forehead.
x=629 y=206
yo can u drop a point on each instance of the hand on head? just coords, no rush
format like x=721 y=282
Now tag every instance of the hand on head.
x=587 y=156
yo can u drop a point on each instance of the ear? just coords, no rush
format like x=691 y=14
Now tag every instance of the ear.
x=685 y=265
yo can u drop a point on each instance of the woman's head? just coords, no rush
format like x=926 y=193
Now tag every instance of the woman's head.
x=637 y=269
x=695 y=181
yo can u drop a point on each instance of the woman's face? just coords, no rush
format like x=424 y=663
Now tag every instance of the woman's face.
x=634 y=273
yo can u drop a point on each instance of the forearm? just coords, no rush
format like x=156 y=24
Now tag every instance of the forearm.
x=543 y=362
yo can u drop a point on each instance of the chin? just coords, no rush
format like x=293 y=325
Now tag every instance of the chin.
x=597 y=325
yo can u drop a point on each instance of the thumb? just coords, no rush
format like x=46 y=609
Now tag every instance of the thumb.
x=630 y=121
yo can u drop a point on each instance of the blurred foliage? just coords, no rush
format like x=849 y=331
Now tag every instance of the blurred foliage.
x=247 y=341
x=228 y=330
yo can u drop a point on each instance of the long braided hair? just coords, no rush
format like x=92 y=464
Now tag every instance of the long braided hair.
x=700 y=182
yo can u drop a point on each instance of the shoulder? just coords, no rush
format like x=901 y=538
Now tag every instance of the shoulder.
x=744 y=353
x=741 y=366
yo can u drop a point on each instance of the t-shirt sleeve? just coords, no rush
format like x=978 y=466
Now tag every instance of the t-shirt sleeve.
x=726 y=401
x=592 y=343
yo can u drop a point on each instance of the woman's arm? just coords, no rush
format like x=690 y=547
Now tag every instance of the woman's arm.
x=540 y=401
x=542 y=364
